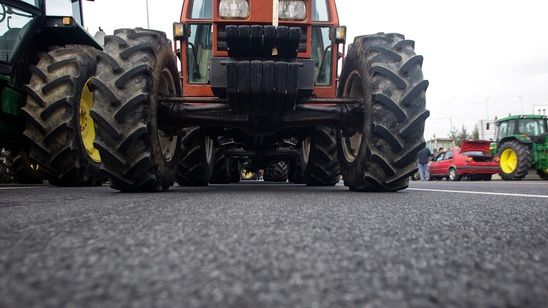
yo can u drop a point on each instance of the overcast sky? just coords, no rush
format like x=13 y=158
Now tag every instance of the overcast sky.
x=483 y=58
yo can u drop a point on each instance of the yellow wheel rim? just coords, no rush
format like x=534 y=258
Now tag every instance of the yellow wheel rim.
x=247 y=174
x=508 y=161
x=87 y=128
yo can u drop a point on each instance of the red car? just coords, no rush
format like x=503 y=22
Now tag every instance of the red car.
x=473 y=161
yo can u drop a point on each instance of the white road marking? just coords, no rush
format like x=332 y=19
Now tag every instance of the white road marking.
x=480 y=193
x=18 y=187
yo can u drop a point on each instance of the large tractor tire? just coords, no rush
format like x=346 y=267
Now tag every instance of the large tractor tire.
x=515 y=160
x=196 y=162
x=234 y=167
x=225 y=169
x=319 y=158
x=384 y=72
x=22 y=170
x=221 y=169
x=135 y=68
x=276 y=173
x=295 y=171
x=543 y=174
x=59 y=125
x=5 y=178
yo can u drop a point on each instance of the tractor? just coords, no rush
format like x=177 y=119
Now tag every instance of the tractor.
x=46 y=62
x=257 y=82
x=521 y=142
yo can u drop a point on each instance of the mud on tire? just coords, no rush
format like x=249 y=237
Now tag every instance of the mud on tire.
x=136 y=67
x=383 y=71
x=59 y=126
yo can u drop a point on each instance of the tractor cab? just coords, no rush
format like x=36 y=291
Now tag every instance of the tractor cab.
x=527 y=128
x=305 y=33
x=29 y=26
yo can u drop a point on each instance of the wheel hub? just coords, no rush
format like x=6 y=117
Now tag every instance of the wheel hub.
x=508 y=161
x=351 y=144
x=167 y=141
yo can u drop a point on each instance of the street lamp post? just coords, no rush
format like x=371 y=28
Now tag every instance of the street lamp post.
x=487 y=106
x=450 y=128
x=148 y=21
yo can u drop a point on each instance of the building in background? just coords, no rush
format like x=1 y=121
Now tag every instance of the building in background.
x=487 y=129
x=435 y=143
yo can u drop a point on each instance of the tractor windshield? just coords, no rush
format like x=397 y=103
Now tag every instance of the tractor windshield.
x=529 y=127
x=322 y=47
x=201 y=36
x=13 y=25
x=15 y=21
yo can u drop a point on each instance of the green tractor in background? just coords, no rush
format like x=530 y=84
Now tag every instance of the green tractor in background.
x=521 y=142
x=46 y=62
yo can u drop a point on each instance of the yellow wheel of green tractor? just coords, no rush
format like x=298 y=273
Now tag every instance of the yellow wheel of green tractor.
x=58 y=107
x=508 y=161
x=515 y=160
x=87 y=128
x=247 y=174
x=543 y=173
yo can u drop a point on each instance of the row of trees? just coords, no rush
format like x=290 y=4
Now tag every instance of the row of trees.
x=460 y=135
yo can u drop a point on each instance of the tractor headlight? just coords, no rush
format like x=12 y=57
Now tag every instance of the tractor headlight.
x=233 y=9
x=340 y=35
x=292 y=10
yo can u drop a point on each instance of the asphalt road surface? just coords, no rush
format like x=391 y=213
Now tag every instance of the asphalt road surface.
x=259 y=244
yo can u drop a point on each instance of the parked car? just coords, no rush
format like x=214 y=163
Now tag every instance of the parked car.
x=473 y=160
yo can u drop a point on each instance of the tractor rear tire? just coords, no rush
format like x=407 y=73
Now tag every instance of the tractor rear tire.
x=196 y=161
x=277 y=173
x=21 y=169
x=221 y=171
x=543 y=174
x=234 y=167
x=515 y=160
x=384 y=72
x=319 y=158
x=5 y=178
x=59 y=125
x=295 y=171
x=136 y=67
